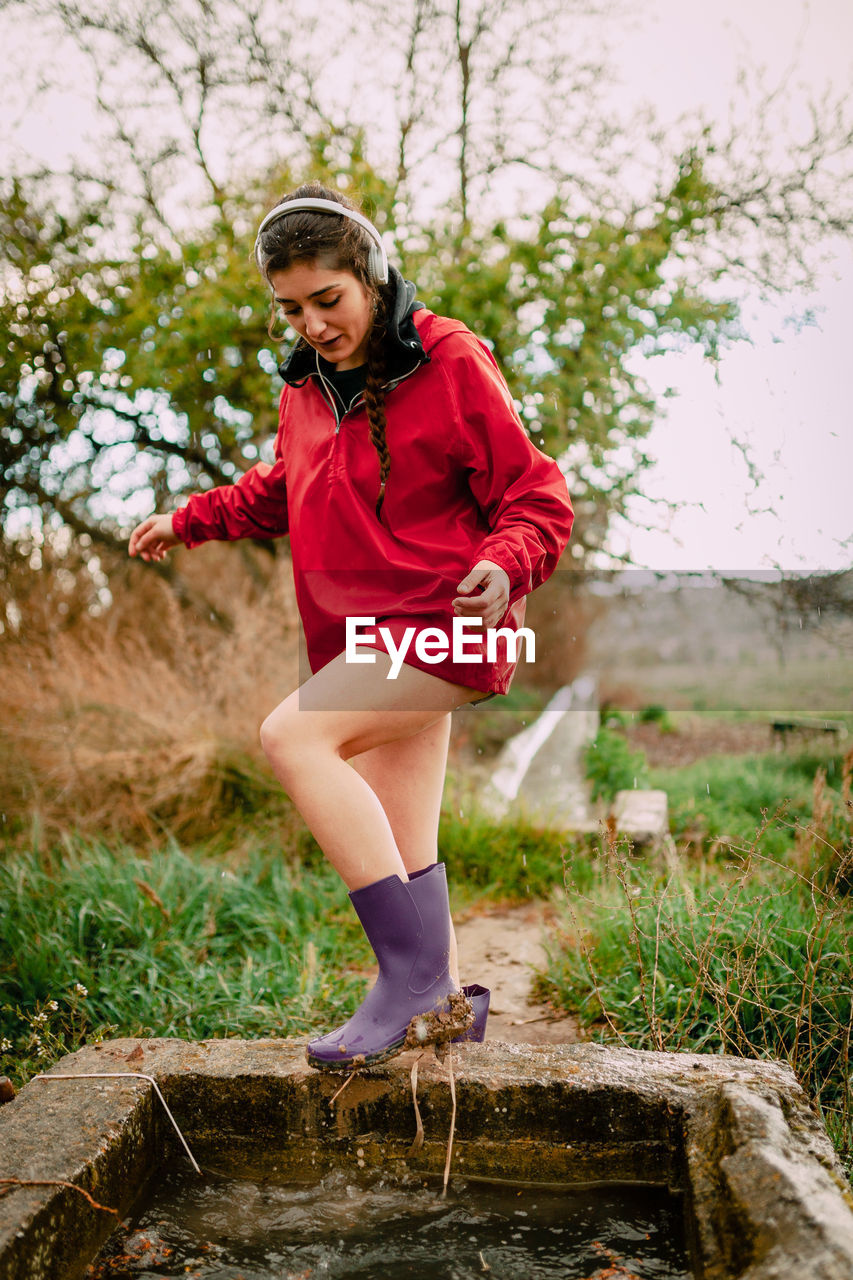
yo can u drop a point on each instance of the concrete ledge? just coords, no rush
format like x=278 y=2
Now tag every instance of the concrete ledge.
x=642 y=815
x=102 y=1135
x=764 y=1193
x=539 y=772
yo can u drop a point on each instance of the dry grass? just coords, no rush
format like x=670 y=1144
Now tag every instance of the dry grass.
x=145 y=718
x=130 y=704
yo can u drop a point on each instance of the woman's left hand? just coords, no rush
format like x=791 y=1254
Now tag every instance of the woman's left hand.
x=491 y=604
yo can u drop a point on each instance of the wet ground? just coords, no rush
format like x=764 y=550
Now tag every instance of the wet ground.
x=500 y=948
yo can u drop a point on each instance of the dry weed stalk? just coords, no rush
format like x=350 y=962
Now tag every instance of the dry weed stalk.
x=8 y=1184
x=617 y=850
x=581 y=936
x=436 y=1028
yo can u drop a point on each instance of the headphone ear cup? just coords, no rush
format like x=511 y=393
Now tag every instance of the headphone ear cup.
x=375 y=265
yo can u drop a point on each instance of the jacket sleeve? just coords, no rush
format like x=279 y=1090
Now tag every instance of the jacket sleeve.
x=254 y=507
x=521 y=491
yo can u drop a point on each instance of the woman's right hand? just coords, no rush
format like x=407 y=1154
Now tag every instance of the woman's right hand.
x=153 y=538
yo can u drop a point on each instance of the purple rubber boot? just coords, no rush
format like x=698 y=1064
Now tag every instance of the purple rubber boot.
x=408 y=927
x=479 y=996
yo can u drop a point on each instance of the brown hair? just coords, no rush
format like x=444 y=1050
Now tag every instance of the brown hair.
x=308 y=235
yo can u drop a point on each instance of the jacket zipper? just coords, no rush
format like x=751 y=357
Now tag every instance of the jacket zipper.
x=358 y=399
x=329 y=394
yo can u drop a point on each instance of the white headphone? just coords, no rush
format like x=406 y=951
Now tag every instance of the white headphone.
x=377 y=262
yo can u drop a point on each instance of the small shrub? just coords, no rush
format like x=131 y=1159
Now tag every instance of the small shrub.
x=614 y=714
x=656 y=713
x=612 y=766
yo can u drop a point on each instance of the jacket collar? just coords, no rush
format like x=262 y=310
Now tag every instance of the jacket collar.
x=405 y=350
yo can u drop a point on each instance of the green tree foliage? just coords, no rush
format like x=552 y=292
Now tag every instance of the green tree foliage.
x=564 y=302
x=108 y=356
x=132 y=379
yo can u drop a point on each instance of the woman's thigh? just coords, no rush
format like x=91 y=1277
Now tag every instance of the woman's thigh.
x=407 y=777
x=352 y=708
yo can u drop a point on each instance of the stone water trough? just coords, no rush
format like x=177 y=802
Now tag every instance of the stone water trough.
x=764 y=1195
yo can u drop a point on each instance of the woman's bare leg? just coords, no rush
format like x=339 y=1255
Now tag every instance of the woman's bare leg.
x=340 y=712
x=407 y=778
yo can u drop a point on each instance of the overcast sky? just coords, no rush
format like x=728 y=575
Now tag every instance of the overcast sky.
x=785 y=394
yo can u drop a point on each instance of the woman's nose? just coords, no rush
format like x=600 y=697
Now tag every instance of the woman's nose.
x=314 y=324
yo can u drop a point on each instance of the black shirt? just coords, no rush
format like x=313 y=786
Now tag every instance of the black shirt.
x=346 y=383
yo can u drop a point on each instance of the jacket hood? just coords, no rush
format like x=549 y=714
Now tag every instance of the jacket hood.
x=404 y=348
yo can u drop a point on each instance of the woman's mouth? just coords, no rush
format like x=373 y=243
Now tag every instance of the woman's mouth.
x=327 y=346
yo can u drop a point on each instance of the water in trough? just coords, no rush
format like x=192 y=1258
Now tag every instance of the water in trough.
x=376 y=1228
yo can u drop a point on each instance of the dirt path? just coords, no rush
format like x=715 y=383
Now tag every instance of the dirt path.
x=500 y=948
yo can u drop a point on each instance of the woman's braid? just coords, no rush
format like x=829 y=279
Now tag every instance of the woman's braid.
x=374 y=396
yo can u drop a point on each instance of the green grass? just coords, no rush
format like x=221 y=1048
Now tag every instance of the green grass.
x=175 y=944
x=722 y=798
x=511 y=859
x=196 y=944
x=754 y=959
x=752 y=955
x=809 y=686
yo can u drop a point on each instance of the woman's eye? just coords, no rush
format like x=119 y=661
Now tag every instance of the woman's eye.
x=333 y=303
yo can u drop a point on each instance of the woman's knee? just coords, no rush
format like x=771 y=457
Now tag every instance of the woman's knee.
x=292 y=737
x=279 y=736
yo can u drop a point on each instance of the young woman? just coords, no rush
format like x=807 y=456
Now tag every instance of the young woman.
x=413 y=496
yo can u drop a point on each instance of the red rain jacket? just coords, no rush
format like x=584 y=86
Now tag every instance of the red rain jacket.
x=466 y=484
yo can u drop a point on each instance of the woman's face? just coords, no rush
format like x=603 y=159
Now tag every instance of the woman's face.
x=330 y=308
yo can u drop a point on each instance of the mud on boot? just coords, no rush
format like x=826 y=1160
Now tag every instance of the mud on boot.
x=443 y=1026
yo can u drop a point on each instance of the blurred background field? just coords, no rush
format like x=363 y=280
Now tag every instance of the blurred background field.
x=693 y=643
